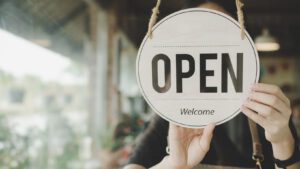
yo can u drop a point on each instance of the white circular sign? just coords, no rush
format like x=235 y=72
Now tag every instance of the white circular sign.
x=197 y=70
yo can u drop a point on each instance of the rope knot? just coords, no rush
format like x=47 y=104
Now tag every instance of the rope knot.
x=155 y=11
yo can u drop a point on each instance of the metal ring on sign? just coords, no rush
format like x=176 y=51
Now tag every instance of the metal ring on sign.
x=168 y=150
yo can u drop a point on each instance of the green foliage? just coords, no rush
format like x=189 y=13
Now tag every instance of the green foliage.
x=13 y=148
x=108 y=141
x=123 y=133
x=16 y=149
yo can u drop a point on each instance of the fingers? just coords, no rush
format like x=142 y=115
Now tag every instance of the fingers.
x=174 y=141
x=272 y=96
x=253 y=116
x=200 y=145
x=270 y=100
x=208 y=130
x=272 y=107
x=206 y=137
x=172 y=129
x=180 y=139
x=271 y=89
x=262 y=109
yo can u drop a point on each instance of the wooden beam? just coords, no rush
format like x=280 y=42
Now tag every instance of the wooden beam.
x=69 y=17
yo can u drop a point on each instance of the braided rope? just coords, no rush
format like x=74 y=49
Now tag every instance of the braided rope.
x=153 y=19
x=240 y=14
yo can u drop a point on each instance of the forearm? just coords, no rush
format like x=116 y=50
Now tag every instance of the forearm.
x=283 y=152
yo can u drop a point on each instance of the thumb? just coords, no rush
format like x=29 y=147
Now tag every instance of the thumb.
x=206 y=137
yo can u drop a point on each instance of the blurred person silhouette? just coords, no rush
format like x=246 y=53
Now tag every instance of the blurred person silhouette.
x=228 y=144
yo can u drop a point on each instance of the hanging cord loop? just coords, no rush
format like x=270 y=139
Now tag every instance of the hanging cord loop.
x=153 y=19
x=257 y=154
x=155 y=12
x=240 y=14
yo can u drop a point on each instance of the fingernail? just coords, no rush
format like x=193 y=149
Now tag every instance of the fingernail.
x=213 y=125
x=249 y=90
x=252 y=86
x=242 y=108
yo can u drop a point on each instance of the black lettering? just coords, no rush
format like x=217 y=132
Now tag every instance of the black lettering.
x=227 y=67
x=204 y=73
x=179 y=73
x=167 y=66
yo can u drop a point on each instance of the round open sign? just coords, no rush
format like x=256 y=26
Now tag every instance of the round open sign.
x=197 y=70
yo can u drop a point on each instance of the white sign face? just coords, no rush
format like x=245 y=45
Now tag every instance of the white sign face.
x=197 y=70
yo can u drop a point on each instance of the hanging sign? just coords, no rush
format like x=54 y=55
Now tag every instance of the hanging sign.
x=196 y=69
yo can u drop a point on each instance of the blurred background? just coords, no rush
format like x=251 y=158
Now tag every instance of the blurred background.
x=68 y=95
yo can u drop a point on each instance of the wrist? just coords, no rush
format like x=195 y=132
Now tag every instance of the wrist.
x=284 y=148
x=174 y=164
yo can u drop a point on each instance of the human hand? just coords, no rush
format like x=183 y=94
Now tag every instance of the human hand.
x=270 y=108
x=273 y=111
x=188 y=146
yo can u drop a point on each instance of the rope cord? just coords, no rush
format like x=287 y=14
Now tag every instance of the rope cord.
x=153 y=19
x=155 y=12
x=240 y=14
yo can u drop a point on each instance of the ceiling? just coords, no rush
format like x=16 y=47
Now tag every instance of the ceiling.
x=282 y=18
x=61 y=23
x=65 y=22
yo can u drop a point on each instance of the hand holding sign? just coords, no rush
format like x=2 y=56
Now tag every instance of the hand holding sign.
x=271 y=109
x=187 y=147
